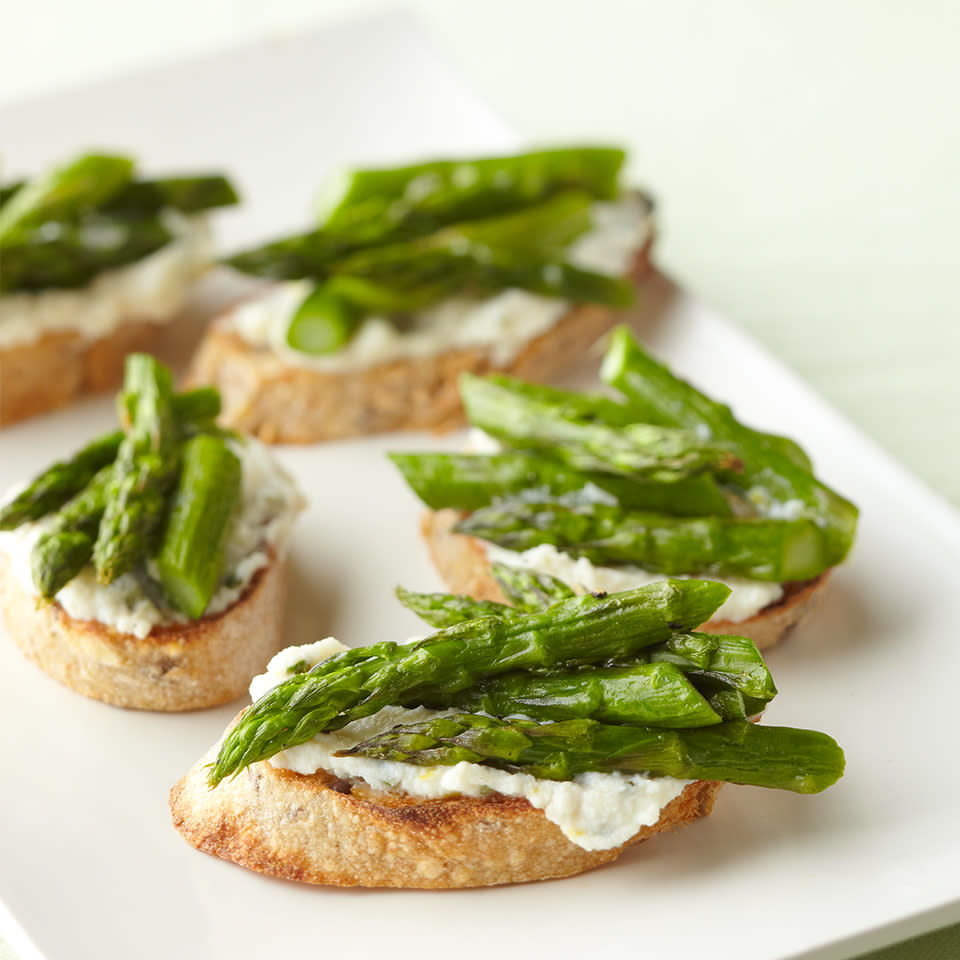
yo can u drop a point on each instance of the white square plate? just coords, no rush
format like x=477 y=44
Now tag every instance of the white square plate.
x=89 y=864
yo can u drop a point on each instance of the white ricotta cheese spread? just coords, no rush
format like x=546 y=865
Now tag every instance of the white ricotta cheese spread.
x=268 y=506
x=747 y=597
x=152 y=289
x=504 y=322
x=596 y=811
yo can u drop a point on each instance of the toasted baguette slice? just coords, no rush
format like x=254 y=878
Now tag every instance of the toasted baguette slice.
x=63 y=365
x=199 y=664
x=462 y=562
x=52 y=355
x=320 y=829
x=283 y=403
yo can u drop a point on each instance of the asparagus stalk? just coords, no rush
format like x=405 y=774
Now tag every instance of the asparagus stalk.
x=758 y=549
x=307 y=255
x=803 y=761
x=657 y=396
x=735 y=662
x=191 y=409
x=77 y=489
x=67 y=547
x=648 y=694
x=371 y=206
x=59 y=482
x=771 y=472
x=420 y=272
x=70 y=254
x=324 y=321
x=186 y=194
x=730 y=703
x=192 y=553
x=445 y=609
x=581 y=630
x=528 y=590
x=570 y=404
x=544 y=230
x=467 y=481
x=77 y=187
x=143 y=472
x=634 y=450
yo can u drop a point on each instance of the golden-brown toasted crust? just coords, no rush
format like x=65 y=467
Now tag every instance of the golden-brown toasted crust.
x=462 y=562
x=200 y=664
x=283 y=403
x=62 y=365
x=322 y=830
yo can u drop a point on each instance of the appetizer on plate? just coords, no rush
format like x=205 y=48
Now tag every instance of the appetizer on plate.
x=147 y=569
x=516 y=744
x=609 y=494
x=93 y=261
x=414 y=275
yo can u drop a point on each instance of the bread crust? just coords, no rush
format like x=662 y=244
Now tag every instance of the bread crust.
x=318 y=829
x=283 y=403
x=462 y=562
x=62 y=365
x=181 y=667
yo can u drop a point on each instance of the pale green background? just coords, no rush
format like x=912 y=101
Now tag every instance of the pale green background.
x=806 y=156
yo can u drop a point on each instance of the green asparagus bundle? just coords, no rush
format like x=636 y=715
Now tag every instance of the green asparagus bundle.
x=572 y=632
x=69 y=254
x=544 y=225
x=600 y=684
x=50 y=490
x=727 y=672
x=61 y=229
x=523 y=250
x=775 y=470
x=373 y=206
x=784 y=758
x=165 y=487
x=392 y=242
x=567 y=476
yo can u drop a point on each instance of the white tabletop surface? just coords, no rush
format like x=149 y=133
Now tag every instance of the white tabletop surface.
x=804 y=152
